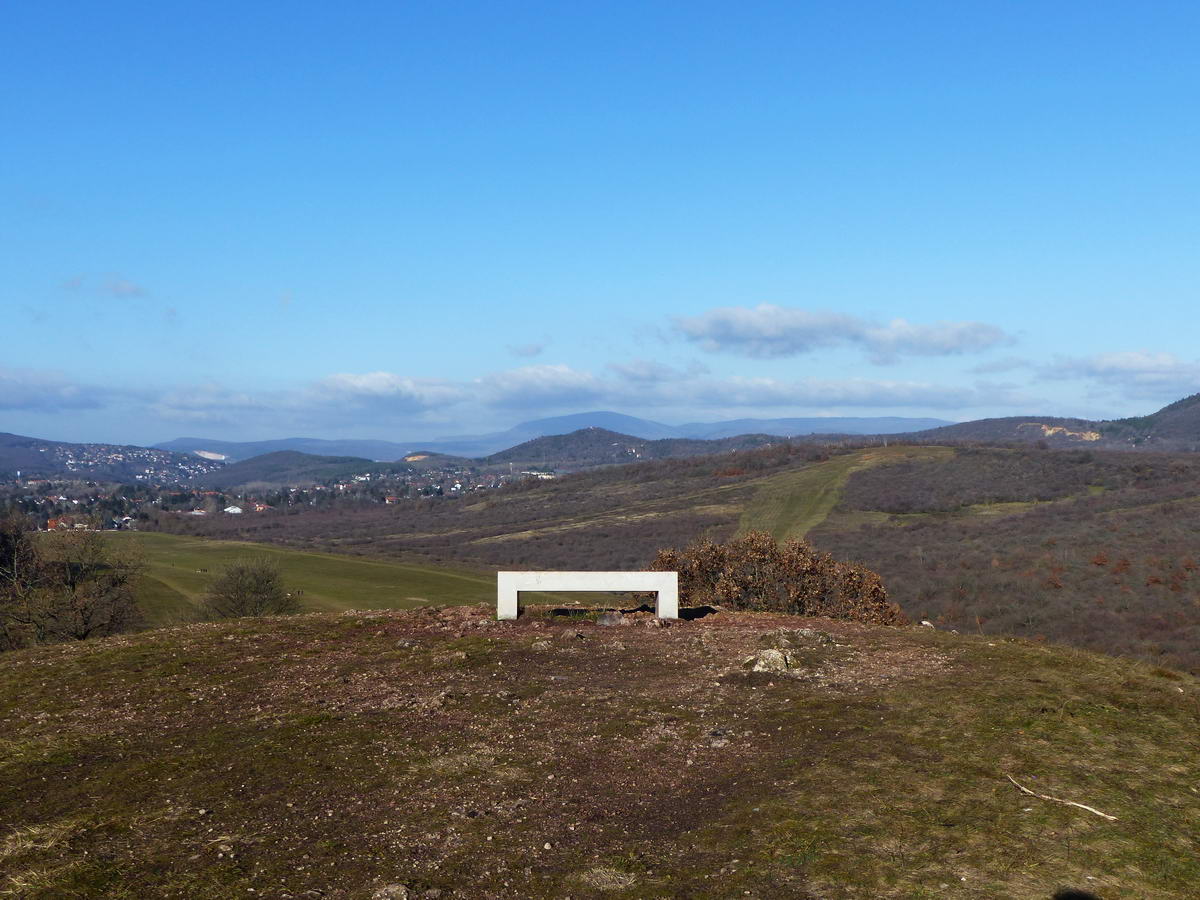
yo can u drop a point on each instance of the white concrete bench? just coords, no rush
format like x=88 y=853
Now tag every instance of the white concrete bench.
x=665 y=584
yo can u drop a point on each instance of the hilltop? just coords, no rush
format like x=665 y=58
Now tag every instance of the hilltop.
x=291 y=467
x=392 y=754
x=597 y=446
x=1175 y=427
x=39 y=458
x=236 y=451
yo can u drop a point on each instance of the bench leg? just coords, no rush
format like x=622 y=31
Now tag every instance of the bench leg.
x=667 y=604
x=506 y=598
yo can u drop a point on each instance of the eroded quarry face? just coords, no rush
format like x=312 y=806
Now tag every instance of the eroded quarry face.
x=1060 y=431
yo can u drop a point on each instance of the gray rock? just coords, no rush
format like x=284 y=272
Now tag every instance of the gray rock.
x=769 y=660
x=718 y=738
x=794 y=638
x=610 y=618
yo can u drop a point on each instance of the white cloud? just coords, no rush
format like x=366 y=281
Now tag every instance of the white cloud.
x=210 y=403
x=389 y=403
x=827 y=393
x=767 y=331
x=650 y=371
x=40 y=391
x=546 y=385
x=1136 y=373
x=648 y=384
x=901 y=338
x=336 y=400
x=386 y=388
x=998 y=366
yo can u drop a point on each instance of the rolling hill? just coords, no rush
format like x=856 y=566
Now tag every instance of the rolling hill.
x=1175 y=427
x=39 y=458
x=291 y=467
x=816 y=425
x=598 y=446
x=443 y=754
x=489 y=444
x=1091 y=547
x=236 y=451
x=481 y=445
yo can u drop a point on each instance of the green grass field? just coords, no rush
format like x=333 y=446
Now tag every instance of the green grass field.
x=791 y=504
x=179 y=570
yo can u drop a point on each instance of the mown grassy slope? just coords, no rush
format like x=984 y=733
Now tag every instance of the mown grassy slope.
x=613 y=518
x=792 y=503
x=335 y=755
x=179 y=570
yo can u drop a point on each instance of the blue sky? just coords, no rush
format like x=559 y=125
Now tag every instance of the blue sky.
x=402 y=220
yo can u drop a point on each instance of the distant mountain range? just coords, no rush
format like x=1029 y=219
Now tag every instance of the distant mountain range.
x=581 y=449
x=481 y=445
x=570 y=442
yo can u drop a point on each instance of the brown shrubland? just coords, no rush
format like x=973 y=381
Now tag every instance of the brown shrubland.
x=754 y=572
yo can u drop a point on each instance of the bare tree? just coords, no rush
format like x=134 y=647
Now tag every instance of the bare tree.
x=20 y=579
x=65 y=586
x=89 y=586
x=249 y=587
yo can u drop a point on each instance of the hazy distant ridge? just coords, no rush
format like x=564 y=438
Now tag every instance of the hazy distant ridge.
x=478 y=445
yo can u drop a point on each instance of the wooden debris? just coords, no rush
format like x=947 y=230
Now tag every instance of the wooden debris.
x=1057 y=800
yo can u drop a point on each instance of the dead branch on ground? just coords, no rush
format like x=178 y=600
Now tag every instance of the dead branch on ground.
x=1058 y=800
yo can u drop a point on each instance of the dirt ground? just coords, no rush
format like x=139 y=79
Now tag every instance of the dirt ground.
x=440 y=753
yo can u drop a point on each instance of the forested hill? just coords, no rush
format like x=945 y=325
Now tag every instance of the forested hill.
x=1176 y=426
x=1173 y=428
x=291 y=467
x=598 y=446
x=1053 y=431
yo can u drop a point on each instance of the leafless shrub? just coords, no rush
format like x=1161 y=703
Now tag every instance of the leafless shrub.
x=67 y=586
x=756 y=573
x=249 y=587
